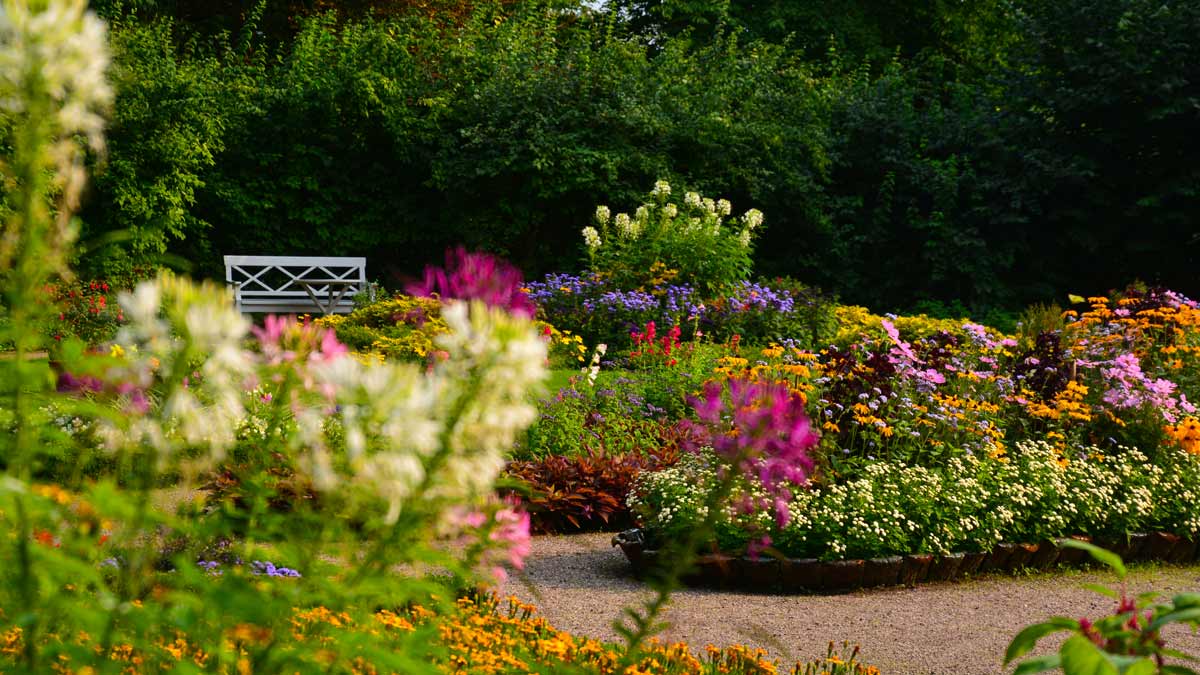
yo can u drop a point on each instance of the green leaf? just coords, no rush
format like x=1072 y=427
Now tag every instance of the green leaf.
x=1190 y=614
x=1143 y=666
x=1186 y=600
x=1177 y=670
x=1081 y=657
x=1027 y=638
x=1102 y=555
x=1039 y=665
x=1176 y=654
x=1103 y=590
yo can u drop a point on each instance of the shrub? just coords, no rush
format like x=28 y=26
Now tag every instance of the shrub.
x=690 y=238
x=87 y=310
x=401 y=327
x=614 y=417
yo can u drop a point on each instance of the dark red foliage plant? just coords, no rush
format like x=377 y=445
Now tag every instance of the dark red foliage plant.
x=585 y=492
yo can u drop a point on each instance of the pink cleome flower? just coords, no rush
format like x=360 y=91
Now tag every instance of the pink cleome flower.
x=476 y=276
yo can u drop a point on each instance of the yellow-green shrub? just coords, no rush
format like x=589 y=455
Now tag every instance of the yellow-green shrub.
x=399 y=327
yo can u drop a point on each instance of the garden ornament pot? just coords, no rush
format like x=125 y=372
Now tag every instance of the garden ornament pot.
x=632 y=543
x=1074 y=557
x=972 y=562
x=1159 y=546
x=1046 y=556
x=1184 y=551
x=756 y=574
x=797 y=575
x=713 y=570
x=1137 y=546
x=1020 y=556
x=916 y=568
x=844 y=575
x=945 y=567
x=997 y=559
x=883 y=571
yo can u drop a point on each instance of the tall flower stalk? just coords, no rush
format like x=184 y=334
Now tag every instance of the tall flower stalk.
x=52 y=61
x=759 y=433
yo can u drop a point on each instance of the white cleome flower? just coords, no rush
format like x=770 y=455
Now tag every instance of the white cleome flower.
x=602 y=215
x=591 y=238
x=671 y=210
x=724 y=208
x=662 y=190
x=753 y=218
x=692 y=200
x=625 y=227
x=57 y=50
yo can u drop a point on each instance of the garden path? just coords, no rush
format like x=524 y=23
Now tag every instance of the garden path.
x=580 y=583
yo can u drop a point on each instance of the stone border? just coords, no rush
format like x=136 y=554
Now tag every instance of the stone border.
x=767 y=574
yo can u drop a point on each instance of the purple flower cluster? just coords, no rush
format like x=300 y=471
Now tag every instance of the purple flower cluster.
x=748 y=296
x=257 y=568
x=1131 y=388
x=266 y=568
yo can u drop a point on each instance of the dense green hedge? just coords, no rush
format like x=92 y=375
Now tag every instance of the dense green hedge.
x=1003 y=157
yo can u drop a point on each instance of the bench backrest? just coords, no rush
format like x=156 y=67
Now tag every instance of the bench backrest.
x=272 y=283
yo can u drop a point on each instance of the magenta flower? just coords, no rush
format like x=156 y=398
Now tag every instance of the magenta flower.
x=283 y=339
x=762 y=432
x=476 y=276
x=511 y=535
x=507 y=540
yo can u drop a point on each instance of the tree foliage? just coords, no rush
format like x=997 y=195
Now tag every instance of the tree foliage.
x=987 y=154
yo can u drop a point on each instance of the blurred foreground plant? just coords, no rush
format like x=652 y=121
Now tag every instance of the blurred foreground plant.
x=1127 y=642
x=95 y=571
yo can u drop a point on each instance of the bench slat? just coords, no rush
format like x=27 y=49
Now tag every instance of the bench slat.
x=286 y=260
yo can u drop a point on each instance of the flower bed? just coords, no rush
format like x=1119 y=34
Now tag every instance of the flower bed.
x=767 y=574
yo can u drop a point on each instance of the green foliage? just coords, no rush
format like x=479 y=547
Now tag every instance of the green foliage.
x=1038 y=319
x=615 y=416
x=171 y=115
x=940 y=152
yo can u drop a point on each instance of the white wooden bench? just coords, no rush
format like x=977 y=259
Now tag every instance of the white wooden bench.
x=296 y=284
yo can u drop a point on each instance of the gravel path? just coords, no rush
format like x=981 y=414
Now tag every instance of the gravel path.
x=580 y=583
